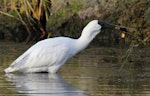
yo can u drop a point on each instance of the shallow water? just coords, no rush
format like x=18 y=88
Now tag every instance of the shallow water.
x=93 y=72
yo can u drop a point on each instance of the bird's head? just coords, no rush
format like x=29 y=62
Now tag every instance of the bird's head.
x=92 y=28
x=96 y=25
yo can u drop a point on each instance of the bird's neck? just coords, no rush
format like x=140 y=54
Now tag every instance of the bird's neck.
x=84 y=40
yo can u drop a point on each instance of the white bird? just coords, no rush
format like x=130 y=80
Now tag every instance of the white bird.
x=50 y=54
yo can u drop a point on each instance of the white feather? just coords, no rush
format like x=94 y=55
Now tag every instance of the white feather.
x=50 y=54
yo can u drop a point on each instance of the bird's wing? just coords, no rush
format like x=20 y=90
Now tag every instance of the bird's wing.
x=42 y=55
x=21 y=60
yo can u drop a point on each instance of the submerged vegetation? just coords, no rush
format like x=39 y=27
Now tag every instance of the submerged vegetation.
x=68 y=17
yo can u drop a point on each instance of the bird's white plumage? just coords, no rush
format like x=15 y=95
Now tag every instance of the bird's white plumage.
x=50 y=54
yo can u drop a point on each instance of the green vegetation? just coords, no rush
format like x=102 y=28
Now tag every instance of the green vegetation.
x=134 y=14
x=68 y=17
x=31 y=14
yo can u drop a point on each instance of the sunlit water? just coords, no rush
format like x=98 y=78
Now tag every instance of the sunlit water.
x=93 y=72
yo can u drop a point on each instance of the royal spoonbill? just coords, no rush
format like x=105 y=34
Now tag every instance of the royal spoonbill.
x=50 y=54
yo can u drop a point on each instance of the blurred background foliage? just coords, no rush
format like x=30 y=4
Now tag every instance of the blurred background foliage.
x=28 y=16
x=33 y=20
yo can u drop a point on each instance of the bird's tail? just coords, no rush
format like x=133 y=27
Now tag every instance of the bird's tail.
x=9 y=70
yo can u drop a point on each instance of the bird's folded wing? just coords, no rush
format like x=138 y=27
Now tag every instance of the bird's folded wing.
x=43 y=56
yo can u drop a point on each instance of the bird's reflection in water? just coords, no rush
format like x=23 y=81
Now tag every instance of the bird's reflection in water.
x=43 y=84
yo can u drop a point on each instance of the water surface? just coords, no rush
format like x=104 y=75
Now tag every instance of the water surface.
x=93 y=72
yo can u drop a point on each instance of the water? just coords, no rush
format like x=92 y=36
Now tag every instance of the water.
x=93 y=72
x=43 y=85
